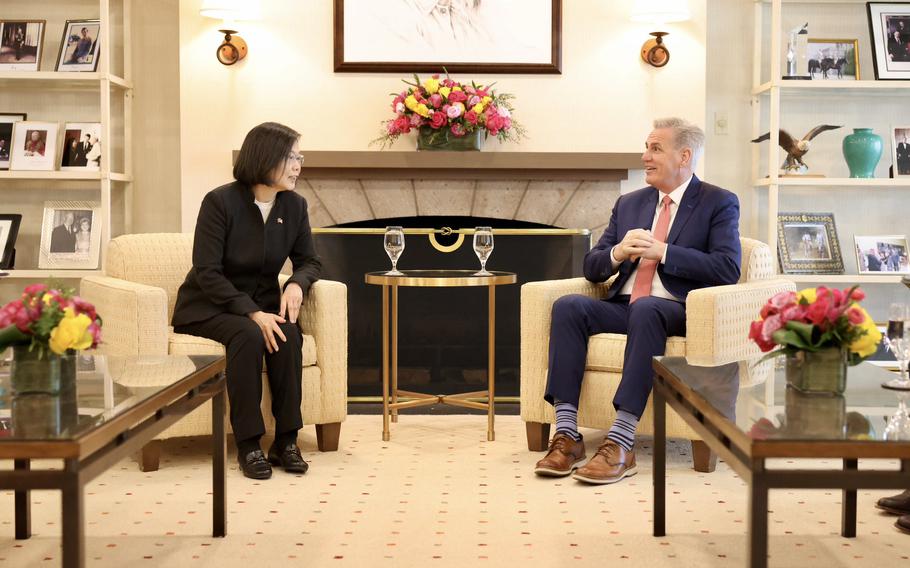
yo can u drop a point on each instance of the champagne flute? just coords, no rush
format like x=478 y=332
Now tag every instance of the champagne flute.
x=393 y=241
x=897 y=339
x=483 y=246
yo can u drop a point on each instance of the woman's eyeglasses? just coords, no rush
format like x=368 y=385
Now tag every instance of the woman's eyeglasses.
x=298 y=157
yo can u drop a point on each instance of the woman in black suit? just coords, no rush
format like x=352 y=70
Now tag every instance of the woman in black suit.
x=245 y=232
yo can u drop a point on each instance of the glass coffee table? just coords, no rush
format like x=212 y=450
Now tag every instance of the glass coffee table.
x=747 y=414
x=434 y=279
x=115 y=406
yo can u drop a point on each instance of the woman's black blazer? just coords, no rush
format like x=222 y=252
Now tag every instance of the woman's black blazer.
x=237 y=257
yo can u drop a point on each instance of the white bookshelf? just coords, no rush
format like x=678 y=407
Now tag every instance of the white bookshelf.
x=74 y=97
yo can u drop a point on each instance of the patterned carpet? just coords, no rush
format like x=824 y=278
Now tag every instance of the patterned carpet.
x=438 y=494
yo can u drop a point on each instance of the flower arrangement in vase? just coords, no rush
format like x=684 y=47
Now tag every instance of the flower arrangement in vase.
x=821 y=331
x=45 y=327
x=449 y=115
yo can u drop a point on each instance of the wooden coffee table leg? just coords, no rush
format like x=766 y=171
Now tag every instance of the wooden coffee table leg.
x=758 y=517
x=23 y=505
x=848 y=505
x=659 y=467
x=73 y=514
x=219 y=458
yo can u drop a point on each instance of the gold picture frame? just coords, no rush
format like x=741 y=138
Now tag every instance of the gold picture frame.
x=833 y=59
x=807 y=244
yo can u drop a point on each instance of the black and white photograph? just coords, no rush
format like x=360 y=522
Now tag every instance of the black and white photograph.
x=833 y=59
x=900 y=150
x=34 y=145
x=81 y=146
x=889 y=27
x=70 y=235
x=80 y=46
x=21 y=44
x=9 y=230
x=7 y=120
x=882 y=253
x=808 y=244
x=479 y=36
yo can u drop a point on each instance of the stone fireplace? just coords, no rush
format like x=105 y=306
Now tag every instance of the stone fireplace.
x=552 y=203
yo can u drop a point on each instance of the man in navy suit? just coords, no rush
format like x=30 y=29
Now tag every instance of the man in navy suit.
x=663 y=241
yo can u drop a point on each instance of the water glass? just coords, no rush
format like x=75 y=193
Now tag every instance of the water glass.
x=483 y=246
x=393 y=241
x=897 y=339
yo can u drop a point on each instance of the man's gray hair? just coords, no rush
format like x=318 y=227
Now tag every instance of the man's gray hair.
x=685 y=135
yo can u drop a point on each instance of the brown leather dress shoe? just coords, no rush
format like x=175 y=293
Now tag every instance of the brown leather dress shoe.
x=563 y=455
x=896 y=504
x=609 y=464
x=903 y=524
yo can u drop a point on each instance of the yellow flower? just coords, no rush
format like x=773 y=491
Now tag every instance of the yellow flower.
x=47 y=298
x=456 y=88
x=478 y=108
x=431 y=85
x=809 y=294
x=486 y=100
x=867 y=344
x=71 y=333
x=422 y=110
x=444 y=91
x=411 y=102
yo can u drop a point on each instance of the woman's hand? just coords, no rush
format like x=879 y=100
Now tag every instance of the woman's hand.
x=268 y=324
x=291 y=300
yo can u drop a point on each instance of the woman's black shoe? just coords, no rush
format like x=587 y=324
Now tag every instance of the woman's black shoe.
x=289 y=458
x=254 y=465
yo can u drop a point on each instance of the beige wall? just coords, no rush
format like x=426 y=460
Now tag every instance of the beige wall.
x=603 y=101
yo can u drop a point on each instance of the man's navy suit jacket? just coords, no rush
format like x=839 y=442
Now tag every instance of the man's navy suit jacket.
x=703 y=247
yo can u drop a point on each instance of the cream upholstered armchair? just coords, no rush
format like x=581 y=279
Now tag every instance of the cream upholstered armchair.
x=717 y=329
x=136 y=300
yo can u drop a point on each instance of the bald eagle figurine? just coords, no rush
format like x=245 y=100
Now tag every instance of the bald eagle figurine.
x=796 y=149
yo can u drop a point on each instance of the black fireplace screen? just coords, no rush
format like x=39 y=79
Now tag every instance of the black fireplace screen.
x=442 y=345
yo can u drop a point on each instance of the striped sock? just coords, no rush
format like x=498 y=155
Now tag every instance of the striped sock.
x=623 y=430
x=567 y=419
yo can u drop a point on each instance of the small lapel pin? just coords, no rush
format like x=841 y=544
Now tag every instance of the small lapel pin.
x=280 y=221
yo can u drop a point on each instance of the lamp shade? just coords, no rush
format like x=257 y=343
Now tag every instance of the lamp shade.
x=231 y=9
x=660 y=11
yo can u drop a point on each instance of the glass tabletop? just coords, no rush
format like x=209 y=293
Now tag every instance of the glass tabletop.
x=441 y=278
x=754 y=396
x=105 y=388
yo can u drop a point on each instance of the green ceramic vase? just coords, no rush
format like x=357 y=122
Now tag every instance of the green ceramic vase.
x=862 y=150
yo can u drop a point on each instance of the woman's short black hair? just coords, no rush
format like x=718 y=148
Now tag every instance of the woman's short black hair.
x=265 y=148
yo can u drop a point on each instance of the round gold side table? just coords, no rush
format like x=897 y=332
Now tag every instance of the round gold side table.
x=433 y=279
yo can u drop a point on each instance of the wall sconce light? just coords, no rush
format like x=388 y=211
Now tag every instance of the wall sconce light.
x=658 y=12
x=233 y=48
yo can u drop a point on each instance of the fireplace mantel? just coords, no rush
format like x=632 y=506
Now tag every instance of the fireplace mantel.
x=469 y=165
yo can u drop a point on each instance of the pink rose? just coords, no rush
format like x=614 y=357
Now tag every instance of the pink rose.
x=416 y=120
x=471 y=117
x=817 y=312
x=35 y=289
x=454 y=111
x=438 y=119
x=403 y=124
x=769 y=326
x=755 y=334
x=856 y=315
x=457 y=97
x=858 y=295
x=435 y=100
x=458 y=129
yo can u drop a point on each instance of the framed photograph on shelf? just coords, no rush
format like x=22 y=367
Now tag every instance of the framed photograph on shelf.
x=81 y=146
x=889 y=28
x=80 y=46
x=807 y=244
x=877 y=254
x=900 y=150
x=70 y=235
x=21 y=44
x=9 y=230
x=7 y=120
x=833 y=59
x=34 y=145
x=461 y=36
